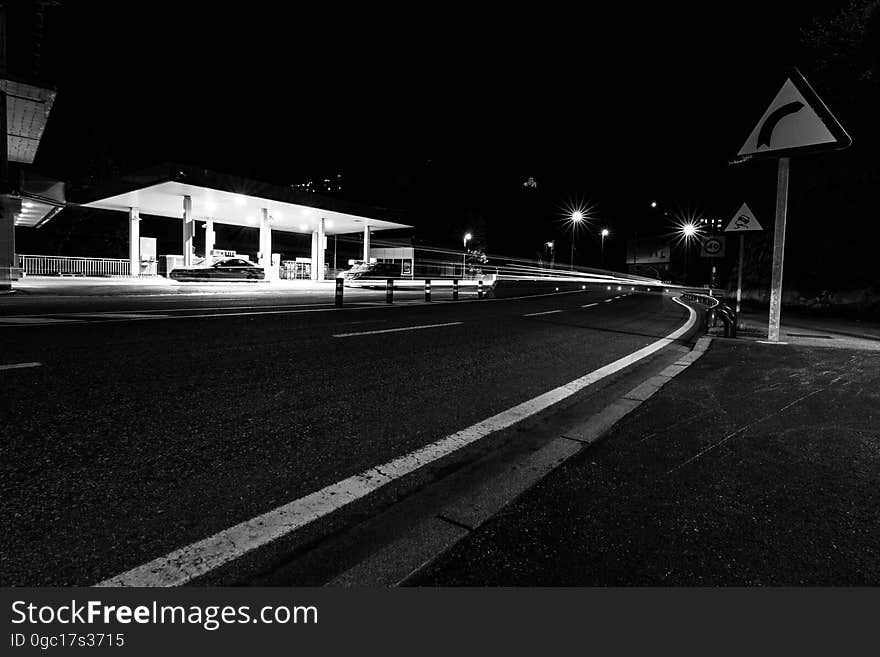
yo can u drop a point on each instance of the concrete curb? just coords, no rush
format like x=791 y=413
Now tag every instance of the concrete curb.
x=401 y=560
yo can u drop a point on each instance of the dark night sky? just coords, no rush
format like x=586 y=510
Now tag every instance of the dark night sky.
x=432 y=106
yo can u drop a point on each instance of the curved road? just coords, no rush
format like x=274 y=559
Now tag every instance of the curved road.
x=145 y=430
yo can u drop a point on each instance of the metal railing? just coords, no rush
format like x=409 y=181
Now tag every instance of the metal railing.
x=704 y=299
x=715 y=309
x=42 y=265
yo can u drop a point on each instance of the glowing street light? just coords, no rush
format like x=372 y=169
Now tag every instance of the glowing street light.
x=687 y=230
x=653 y=204
x=467 y=237
x=576 y=218
x=605 y=234
x=552 y=246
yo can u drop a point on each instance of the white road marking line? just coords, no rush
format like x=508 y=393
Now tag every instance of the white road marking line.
x=546 y=312
x=396 y=330
x=35 y=320
x=196 y=559
x=268 y=306
x=607 y=300
x=590 y=305
x=113 y=315
x=361 y=305
x=19 y=366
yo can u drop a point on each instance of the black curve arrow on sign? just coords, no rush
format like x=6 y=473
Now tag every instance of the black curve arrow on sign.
x=775 y=117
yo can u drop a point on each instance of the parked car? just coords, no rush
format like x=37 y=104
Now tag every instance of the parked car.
x=373 y=271
x=226 y=269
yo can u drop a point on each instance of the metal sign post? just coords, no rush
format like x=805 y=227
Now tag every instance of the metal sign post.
x=739 y=272
x=796 y=122
x=778 y=249
x=743 y=221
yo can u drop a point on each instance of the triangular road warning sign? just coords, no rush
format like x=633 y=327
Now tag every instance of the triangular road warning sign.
x=796 y=122
x=743 y=221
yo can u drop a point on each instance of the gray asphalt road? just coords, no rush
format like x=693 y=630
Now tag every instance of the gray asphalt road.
x=244 y=295
x=137 y=436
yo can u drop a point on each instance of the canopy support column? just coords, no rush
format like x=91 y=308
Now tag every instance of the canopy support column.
x=8 y=207
x=134 y=241
x=265 y=255
x=209 y=241
x=322 y=245
x=188 y=231
x=366 y=243
x=314 y=255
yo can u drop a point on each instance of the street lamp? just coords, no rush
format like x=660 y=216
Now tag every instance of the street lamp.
x=688 y=231
x=467 y=236
x=604 y=235
x=576 y=218
x=551 y=245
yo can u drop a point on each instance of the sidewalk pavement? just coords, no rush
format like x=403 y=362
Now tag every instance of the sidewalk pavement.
x=757 y=465
x=799 y=323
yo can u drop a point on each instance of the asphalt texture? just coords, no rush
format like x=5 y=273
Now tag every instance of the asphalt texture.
x=758 y=465
x=805 y=325
x=154 y=422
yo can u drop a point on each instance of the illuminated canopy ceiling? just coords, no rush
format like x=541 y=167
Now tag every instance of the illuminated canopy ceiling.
x=237 y=201
x=27 y=110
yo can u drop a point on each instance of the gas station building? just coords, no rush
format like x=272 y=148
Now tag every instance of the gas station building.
x=188 y=194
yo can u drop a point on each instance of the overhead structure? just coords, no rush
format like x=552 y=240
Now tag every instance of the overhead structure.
x=25 y=104
x=189 y=193
x=27 y=111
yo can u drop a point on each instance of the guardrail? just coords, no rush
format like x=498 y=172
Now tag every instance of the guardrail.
x=41 y=265
x=391 y=284
x=706 y=299
x=715 y=308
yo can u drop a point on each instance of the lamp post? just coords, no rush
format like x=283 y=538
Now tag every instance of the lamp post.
x=604 y=235
x=467 y=237
x=552 y=246
x=688 y=230
x=576 y=218
x=636 y=245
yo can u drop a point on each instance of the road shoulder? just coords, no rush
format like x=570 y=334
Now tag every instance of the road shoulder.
x=757 y=466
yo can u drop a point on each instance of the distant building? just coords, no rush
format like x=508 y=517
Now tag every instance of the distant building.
x=649 y=255
x=330 y=185
x=709 y=225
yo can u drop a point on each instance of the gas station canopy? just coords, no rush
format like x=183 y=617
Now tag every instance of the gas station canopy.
x=235 y=201
x=27 y=111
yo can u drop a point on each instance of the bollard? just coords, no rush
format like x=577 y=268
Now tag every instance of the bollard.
x=427 y=289
x=389 y=291
x=340 y=282
x=730 y=320
x=455 y=289
x=479 y=289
